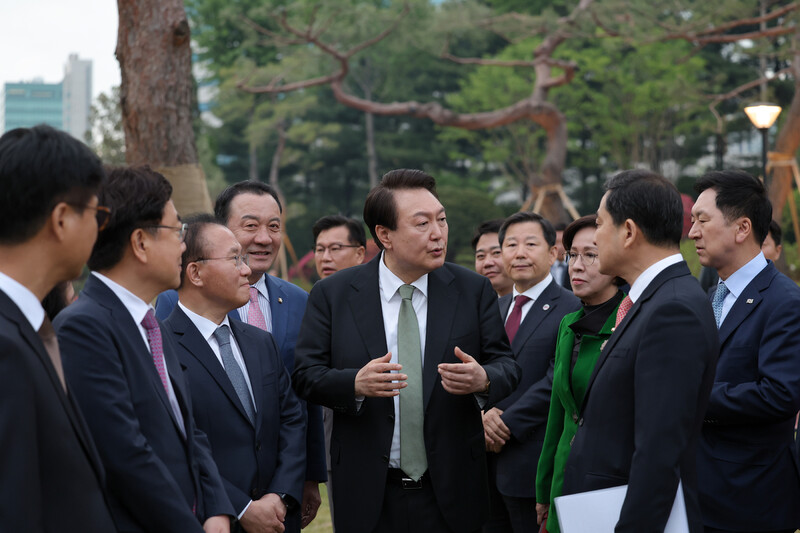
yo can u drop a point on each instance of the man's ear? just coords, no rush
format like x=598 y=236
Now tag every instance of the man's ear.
x=383 y=234
x=139 y=242
x=59 y=220
x=631 y=233
x=744 y=229
x=192 y=275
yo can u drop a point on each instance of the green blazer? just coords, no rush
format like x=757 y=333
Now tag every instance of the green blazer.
x=565 y=403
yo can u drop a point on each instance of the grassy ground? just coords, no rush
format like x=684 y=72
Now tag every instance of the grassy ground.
x=322 y=523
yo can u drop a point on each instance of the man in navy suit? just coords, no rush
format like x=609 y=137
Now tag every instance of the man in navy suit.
x=241 y=391
x=747 y=477
x=643 y=407
x=252 y=211
x=125 y=374
x=51 y=478
x=515 y=427
x=407 y=449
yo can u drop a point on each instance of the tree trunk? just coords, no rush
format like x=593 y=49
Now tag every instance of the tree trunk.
x=253 y=163
x=155 y=61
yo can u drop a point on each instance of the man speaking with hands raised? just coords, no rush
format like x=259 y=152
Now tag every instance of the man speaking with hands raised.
x=406 y=350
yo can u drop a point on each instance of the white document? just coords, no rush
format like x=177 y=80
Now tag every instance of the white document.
x=598 y=511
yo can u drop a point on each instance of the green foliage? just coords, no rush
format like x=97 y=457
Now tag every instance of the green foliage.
x=466 y=208
x=105 y=135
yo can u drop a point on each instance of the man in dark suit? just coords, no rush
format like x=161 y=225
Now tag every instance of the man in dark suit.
x=241 y=392
x=124 y=372
x=252 y=211
x=643 y=407
x=747 y=476
x=407 y=448
x=515 y=427
x=489 y=256
x=51 y=478
x=560 y=269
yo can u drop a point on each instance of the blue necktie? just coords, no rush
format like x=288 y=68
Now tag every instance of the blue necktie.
x=719 y=298
x=234 y=371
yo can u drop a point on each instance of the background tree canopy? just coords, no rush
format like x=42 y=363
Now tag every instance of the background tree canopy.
x=634 y=83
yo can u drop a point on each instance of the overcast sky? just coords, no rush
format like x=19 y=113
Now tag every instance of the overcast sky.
x=37 y=36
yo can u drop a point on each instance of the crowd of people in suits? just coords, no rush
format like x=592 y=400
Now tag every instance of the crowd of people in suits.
x=187 y=389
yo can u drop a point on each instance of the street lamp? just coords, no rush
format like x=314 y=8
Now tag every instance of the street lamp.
x=763 y=116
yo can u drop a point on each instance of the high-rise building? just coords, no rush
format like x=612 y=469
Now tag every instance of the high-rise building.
x=26 y=104
x=77 y=95
x=62 y=105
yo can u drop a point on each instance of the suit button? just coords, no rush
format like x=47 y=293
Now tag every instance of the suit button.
x=385 y=458
x=258 y=446
x=575 y=417
x=580 y=422
x=254 y=494
x=391 y=418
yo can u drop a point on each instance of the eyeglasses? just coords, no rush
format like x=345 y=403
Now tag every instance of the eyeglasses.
x=180 y=229
x=333 y=248
x=588 y=258
x=238 y=260
x=102 y=214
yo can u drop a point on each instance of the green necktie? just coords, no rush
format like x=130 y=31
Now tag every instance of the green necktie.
x=413 y=460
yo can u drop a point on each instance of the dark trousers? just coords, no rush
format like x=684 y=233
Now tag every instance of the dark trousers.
x=408 y=510
x=507 y=513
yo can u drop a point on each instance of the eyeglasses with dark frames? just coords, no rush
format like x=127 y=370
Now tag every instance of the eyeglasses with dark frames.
x=180 y=229
x=238 y=260
x=102 y=213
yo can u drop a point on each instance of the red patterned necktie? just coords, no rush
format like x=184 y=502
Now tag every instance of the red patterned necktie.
x=512 y=324
x=156 y=345
x=254 y=315
x=624 y=306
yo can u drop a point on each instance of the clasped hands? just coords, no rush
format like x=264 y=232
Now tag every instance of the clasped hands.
x=381 y=379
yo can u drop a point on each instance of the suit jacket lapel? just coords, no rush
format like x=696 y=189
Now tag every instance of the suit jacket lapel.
x=535 y=315
x=279 y=309
x=129 y=330
x=442 y=305
x=672 y=271
x=747 y=302
x=13 y=313
x=194 y=343
x=365 y=304
x=505 y=302
x=250 y=354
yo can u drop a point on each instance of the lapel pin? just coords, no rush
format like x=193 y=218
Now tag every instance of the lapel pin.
x=749 y=300
x=612 y=331
x=545 y=307
x=280 y=300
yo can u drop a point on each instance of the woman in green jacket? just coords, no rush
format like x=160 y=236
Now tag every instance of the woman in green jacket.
x=581 y=337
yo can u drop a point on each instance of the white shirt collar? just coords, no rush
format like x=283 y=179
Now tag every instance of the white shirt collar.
x=28 y=304
x=205 y=326
x=261 y=286
x=646 y=277
x=740 y=279
x=534 y=292
x=136 y=306
x=389 y=282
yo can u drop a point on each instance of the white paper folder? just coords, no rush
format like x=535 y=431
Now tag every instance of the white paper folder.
x=598 y=511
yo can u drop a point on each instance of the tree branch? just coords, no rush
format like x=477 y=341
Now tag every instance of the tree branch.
x=382 y=35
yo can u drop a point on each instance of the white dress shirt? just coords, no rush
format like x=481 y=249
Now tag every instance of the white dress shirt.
x=533 y=293
x=739 y=280
x=650 y=273
x=28 y=303
x=207 y=328
x=263 y=303
x=389 y=285
x=138 y=308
